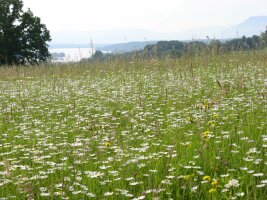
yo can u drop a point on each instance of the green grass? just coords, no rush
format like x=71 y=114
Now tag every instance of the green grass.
x=142 y=129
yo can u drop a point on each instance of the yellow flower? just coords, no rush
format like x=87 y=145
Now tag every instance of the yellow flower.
x=207 y=105
x=215 y=115
x=190 y=119
x=107 y=144
x=187 y=177
x=212 y=190
x=206 y=178
x=211 y=124
x=205 y=134
x=215 y=183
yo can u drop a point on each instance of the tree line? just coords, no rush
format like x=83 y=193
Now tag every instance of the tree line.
x=175 y=49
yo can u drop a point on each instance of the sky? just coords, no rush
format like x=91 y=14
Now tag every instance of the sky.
x=156 y=15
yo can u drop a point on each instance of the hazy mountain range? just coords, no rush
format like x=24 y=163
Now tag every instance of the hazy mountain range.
x=251 y=26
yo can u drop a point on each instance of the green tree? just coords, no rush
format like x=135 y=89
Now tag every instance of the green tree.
x=23 y=38
x=263 y=37
x=98 y=55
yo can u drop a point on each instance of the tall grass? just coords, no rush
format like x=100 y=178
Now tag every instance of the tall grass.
x=188 y=128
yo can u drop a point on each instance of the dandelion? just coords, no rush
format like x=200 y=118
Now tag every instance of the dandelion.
x=211 y=124
x=206 y=134
x=187 y=177
x=190 y=119
x=212 y=190
x=215 y=115
x=107 y=144
x=206 y=178
x=215 y=183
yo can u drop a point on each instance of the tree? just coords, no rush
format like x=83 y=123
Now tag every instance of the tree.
x=215 y=46
x=263 y=37
x=98 y=55
x=23 y=38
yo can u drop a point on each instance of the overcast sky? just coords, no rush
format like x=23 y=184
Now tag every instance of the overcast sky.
x=158 y=15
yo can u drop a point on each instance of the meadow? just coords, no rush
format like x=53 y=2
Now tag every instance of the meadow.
x=187 y=128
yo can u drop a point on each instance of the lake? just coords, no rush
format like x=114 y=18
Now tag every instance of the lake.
x=71 y=54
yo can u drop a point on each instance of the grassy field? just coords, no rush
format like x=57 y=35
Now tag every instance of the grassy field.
x=189 y=128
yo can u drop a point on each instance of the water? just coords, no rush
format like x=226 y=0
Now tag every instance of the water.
x=71 y=54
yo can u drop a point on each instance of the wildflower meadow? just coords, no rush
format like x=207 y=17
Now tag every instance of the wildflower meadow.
x=187 y=128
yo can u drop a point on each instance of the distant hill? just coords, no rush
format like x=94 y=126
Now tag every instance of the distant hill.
x=113 y=36
x=123 y=37
x=125 y=47
x=251 y=26
x=75 y=46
